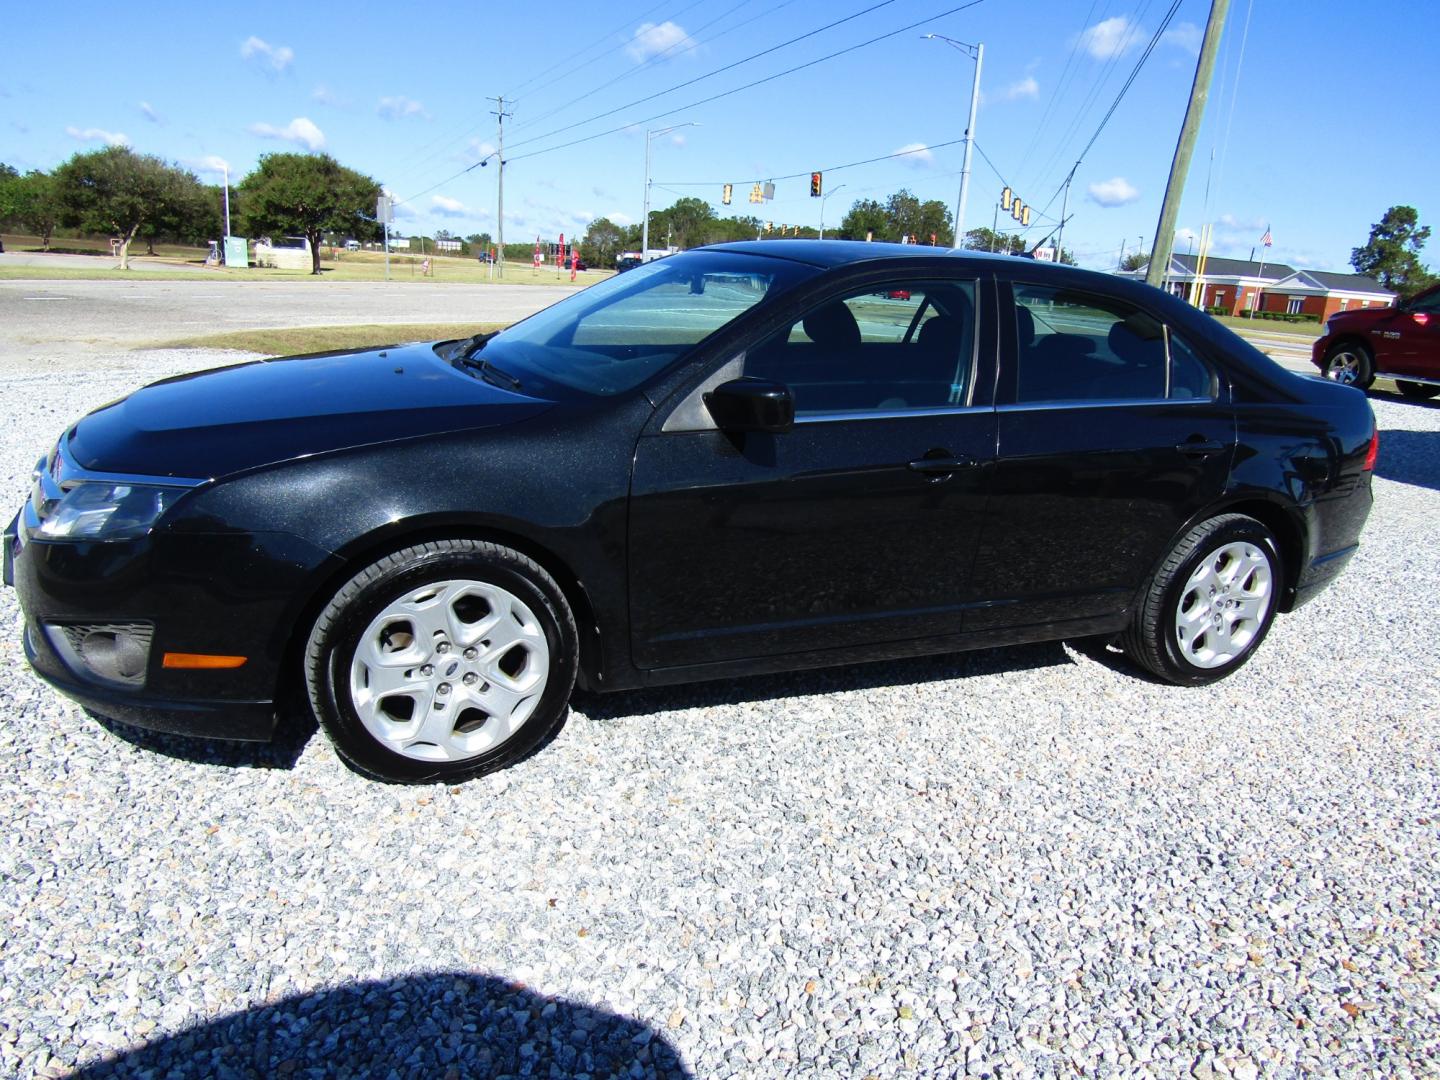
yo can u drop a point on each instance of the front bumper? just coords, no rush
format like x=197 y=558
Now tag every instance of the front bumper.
x=234 y=594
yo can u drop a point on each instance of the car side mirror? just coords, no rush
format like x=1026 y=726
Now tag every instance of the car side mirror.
x=749 y=404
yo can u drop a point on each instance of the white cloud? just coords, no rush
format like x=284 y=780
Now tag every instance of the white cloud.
x=1024 y=88
x=1186 y=36
x=448 y=207
x=581 y=217
x=1112 y=37
x=299 y=130
x=148 y=111
x=918 y=155
x=213 y=164
x=114 y=138
x=652 y=38
x=676 y=139
x=475 y=150
x=399 y=107
x=277 y=57
x=620 y=217
x=326 y=96
x=1117 y=191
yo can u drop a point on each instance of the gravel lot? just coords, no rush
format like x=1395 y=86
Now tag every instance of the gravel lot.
x=1016 y=862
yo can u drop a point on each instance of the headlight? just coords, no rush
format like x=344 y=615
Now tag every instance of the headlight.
x=102 y=510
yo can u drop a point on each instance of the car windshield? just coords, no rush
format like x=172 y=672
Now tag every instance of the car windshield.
x=615 y=335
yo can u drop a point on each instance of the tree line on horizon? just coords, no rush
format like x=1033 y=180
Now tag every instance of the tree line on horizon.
x=124 y=194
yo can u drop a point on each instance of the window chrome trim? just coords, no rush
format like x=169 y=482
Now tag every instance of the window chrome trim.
x=1101 y=403
x=889 y=414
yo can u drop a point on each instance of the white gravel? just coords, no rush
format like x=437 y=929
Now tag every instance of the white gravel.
x=1016 y=862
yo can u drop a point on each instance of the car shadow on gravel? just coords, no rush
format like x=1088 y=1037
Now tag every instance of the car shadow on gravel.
x=431 y=1024
x=865 y=676
x=1410 y=457
x=293 y=731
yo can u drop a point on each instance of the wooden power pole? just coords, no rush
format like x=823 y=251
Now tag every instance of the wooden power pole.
x=1189 y=131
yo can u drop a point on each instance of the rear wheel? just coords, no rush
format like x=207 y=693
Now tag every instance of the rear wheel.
x=1351 y=363
x=443 y=661
x=1418 y=390
x=1210 y=604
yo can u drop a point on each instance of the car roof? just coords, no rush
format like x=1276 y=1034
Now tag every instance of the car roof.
x=827 y=254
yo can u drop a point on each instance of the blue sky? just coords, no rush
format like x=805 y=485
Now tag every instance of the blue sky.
x=1324 y=125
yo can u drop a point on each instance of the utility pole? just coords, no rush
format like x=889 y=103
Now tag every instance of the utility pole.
x=823 y=197
x=500 y=114
x=1185 y=147
x=978 y=52
x=645 y=224
x=1064 y=213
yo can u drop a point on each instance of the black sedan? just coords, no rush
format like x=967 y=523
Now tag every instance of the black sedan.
x=746 y=458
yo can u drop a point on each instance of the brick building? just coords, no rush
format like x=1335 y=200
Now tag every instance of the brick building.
x=1236 y=285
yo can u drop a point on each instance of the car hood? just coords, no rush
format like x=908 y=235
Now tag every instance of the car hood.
x=214 y=423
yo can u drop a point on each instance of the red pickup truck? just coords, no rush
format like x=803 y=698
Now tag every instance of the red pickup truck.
x=1400 y=343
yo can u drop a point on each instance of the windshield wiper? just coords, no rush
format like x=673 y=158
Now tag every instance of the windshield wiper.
x=490 y=373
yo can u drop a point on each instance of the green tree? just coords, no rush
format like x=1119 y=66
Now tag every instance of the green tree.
x=30 y=201
x=687 y=220
x=1135 y=260
x=1392 y=254
x=189 y=214
x=117 y=191
x=306 y=195
x=601 y=242
x=865 y=217
x=986 y=239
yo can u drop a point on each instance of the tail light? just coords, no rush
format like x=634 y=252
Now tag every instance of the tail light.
x=1373 y=451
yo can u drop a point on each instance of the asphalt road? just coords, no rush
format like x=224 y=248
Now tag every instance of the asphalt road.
x=65 y=321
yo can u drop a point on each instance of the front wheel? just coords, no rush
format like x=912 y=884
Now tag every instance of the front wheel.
x=443 y=661
x=1350 y=362
x=1211 y=603
x=1417 y=391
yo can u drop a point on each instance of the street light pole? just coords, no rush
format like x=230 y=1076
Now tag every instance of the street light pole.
x=500 y=115
x=225 y=167
x=645 y=223
x=978 y=52
x=823 y=197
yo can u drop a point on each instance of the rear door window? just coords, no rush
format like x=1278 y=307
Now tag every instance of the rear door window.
x=1077 y=346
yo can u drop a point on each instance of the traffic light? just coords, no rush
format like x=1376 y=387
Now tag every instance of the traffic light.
x=1006 y=198
x=1025 y=217
x=725 y=194
x=815 y=180
x=769 y=226
x=755 y=193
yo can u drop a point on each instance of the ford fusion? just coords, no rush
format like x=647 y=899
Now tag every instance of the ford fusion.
x=747 y=458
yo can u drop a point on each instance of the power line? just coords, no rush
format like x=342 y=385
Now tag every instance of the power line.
x=1134 y=73
x=749 y=85
x=689 y=42
x=708 y=75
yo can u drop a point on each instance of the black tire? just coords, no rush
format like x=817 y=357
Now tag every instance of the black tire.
x=1354 y=355
x=1417 y=391
x=338 y=631
x=1153 y=639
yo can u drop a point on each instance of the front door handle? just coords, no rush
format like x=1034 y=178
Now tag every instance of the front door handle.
x=1200 y=448
x=941 y=466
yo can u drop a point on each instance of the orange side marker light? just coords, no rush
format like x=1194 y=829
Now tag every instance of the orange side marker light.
x=193 y=661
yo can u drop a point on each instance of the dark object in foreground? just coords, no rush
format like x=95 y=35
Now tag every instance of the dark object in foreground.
x=750 y=458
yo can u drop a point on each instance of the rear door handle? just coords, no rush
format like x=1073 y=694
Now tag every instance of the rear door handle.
x=1200 y=448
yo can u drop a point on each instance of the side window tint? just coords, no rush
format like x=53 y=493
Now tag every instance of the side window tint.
x=1189 y=377
x=1075 y=346
x=886 y=349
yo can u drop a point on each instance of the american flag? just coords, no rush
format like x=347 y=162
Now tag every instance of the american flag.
x=1266 y=240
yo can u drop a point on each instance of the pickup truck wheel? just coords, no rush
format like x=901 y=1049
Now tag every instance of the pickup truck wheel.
x=1418 y=390
x=443 y=661
x=1210 y=604
x=1351 y=363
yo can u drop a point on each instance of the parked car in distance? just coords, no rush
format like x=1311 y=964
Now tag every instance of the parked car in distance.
x=628 y=262
x=738 y=459
x=1400 y=342
x=352 y=245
